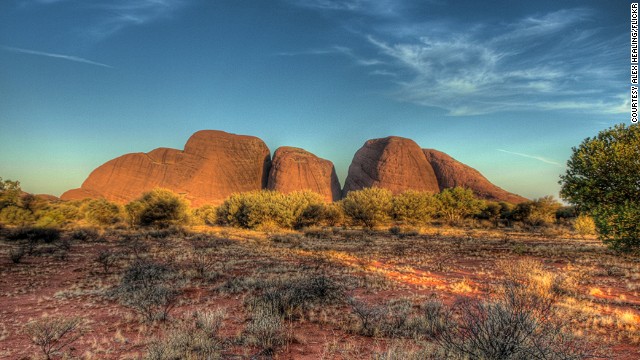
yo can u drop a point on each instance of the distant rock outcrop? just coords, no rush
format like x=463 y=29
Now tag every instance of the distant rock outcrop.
x=297 y=169
x=393 y=163
x=216 y=164
x=213 y=165
x=451 y=173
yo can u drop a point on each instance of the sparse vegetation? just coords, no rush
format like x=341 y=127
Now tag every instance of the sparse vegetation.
x=149 y=289
x=52 y=334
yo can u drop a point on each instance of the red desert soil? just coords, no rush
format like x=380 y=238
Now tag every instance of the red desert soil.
x=604 y=302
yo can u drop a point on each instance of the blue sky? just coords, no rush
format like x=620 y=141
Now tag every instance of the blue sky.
x=507 y=87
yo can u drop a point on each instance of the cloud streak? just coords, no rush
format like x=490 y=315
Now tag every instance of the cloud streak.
x=108 y=17
x=55 y=56
x=535 y=157
x=535 y=63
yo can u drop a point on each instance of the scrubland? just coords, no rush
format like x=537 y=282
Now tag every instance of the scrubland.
x=325 y=292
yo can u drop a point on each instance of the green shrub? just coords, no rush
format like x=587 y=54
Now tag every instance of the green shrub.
x=205 y=215
x=584 y=225
x=619 y=225
x=307 y=208
x=538 y=212
x=368 y=207
x=101 y=212
x=413 y=207
x=455 y=204
x=14 y=215
x=159 y=208
x=255 y=209
x=333 y=214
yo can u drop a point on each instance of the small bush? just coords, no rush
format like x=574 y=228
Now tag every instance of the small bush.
x=199 y=340
x=516 y=325
x=148 y=288
x=35 y=234
x=369 y=317
x=14 y=215
x=414 y=207
x=52 y=334
x=85 y=234
x=159 y=208
x=368 y=207
x=106 y=259
x=584 y=225
x=255 y=209
x=16 y=254
x=101 y=212
x=455 y=204
x=205 y=215
x=266 y=329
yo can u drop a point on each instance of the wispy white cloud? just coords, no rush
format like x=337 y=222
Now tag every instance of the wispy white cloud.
x=535 y=157
x=116 y=15
x=108 y=17
x=55 y=56
x=336 y=50
x=532 y=64
x=370 y=7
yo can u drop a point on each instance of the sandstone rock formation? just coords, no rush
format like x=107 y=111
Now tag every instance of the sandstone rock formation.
x=394 y=163
x=297 y=169
x=451 y=173
x=213 y=165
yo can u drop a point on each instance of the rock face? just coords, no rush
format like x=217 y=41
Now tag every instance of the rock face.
x=394 y=163
x=296 y=169
x=451 y=173
x=213 y=165
x=216 y=164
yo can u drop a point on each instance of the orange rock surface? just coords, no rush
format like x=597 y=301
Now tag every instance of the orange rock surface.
x=451 y=173
x=212 y=166
x=297 y=169
x=394 y=163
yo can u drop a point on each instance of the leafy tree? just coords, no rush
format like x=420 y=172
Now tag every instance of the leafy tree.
x=455 y=204
x=414 y=207
x=604 y=169
x=368 y=207
x=10 y=193
x=602 y=178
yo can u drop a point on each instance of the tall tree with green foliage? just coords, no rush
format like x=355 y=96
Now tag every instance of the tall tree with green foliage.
x=603 y=179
